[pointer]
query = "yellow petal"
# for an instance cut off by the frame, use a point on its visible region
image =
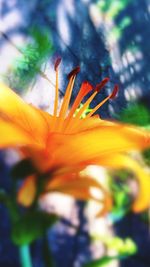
(11, 135)
(27, 192)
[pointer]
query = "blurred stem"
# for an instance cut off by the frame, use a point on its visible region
(25, 257)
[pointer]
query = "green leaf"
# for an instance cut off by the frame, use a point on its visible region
(31, 226)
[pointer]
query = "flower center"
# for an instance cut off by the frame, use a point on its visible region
(64, 120)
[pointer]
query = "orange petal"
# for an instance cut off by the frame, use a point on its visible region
(87, 145)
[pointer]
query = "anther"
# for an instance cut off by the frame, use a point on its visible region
(74, 72)
(114, 92)
(57, 62)
(100, 85)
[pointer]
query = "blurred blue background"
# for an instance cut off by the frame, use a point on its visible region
(106, 38)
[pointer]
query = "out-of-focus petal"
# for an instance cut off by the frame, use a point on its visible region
(27, 191)
(142, 201)
(75, 185)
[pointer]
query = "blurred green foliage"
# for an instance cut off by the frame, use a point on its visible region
(31, 226)
(121, 200)
(33, 56)
(136, 114)
(102, 262)
(124, 248)
(112, 9)
(146, 156)
(117, 30)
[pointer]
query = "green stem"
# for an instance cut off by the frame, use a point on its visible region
(25, 257)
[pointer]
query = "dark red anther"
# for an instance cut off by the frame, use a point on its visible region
(57, 62)
(74, 72)
(114, 92)
(100, 85)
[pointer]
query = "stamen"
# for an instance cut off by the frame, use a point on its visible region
(58, 60)
(111, 96)
(97, 107)
(67, 97)
(87, 103)
(74, 72)
(86, 87)
(68, 93)
(65, 103)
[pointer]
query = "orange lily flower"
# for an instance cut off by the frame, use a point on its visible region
(64, 143)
